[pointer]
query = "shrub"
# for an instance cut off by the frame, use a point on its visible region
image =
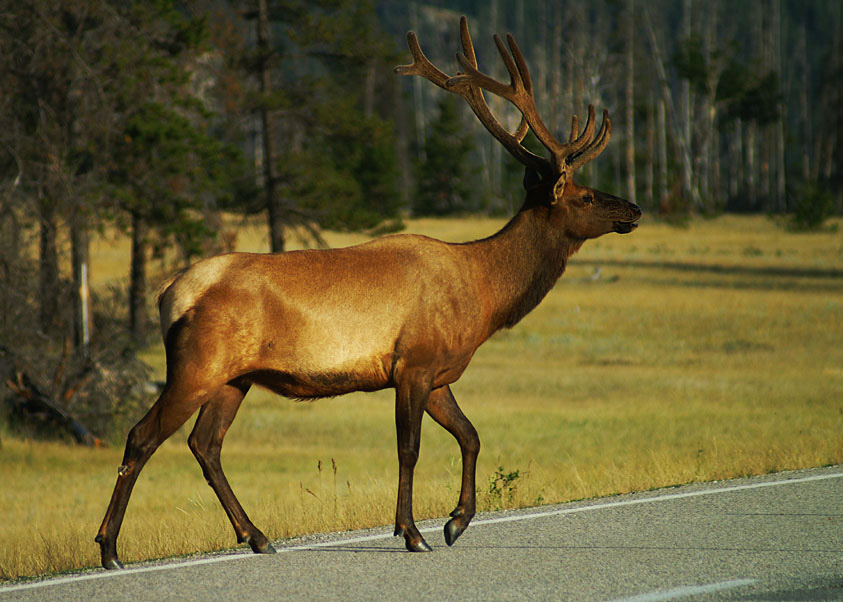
(812, 207)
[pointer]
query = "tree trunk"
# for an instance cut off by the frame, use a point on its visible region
(556, 64)
(418, 97)
(751, 189)
(736, 187)
(48, 266)
(707, 109)
(685, 108)
(779, 150)
(630, 100)
(651, 150)
(79, 257)
(274, 207)
(689, 189)
(138, 318)
(804, 115)
(662, 130)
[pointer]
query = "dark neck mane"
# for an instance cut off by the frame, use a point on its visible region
(524, 260)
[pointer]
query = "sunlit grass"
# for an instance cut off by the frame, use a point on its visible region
(659, 370)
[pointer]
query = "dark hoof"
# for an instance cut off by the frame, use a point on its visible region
(108, 556)
(419, 546)
(112, 564)
(258, 548)
(453, 530)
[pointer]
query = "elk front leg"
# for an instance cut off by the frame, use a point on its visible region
(411, 394)
(205, 442)
(443, 408)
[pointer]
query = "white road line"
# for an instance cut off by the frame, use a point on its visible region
(648, 500)
(240, 555)
(688, 590)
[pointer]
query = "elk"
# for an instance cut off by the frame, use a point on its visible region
(402, 311)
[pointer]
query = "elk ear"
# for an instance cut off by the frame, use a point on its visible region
(559, 188)
(532, 178)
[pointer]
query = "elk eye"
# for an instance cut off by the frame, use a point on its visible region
(587, 199)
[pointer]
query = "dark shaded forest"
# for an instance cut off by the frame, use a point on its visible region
(158, 118)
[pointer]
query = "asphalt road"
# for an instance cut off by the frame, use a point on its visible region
(774, 538)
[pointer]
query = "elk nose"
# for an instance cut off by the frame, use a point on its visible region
(636, 211)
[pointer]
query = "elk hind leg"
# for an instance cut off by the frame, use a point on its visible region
(443, 408)
(172, 410)
(205, 441)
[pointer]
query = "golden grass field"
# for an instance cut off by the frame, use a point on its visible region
(696, 353)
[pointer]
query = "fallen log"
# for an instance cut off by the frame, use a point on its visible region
(33, 403)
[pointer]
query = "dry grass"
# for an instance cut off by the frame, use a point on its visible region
(699, 353)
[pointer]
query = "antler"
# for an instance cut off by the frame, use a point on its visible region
(565, 157)
(474, 97)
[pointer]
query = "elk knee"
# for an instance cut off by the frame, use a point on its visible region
(139, 444)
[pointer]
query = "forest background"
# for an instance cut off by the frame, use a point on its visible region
(156, 119)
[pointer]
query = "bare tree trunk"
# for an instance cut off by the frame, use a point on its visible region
(716, 187)
(418, 96)
(708, 140)
(495, 164)
(630, 100)
(617, 158)
(402, 141)
(751, 190)
(270, 172)
(758, 147)
(804, 116)
(651, 149)
(737, 179)
(80, 265)
(555, 65)
(662, 130)
(48, 265)
(138, 317)
(684, 149)
(685, 108)
(780, 182)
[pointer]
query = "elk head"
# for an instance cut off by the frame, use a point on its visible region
(581, 211)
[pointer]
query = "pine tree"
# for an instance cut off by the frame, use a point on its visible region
(443, 179)
(332, 161)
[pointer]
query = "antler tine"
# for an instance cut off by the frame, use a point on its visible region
(577, 143)
(477, 95)
(474, 96)
(596, 146)
(528, 83)
(467, 44)
(518, 92)
(421, 65)
(573, 135)
(523, 71)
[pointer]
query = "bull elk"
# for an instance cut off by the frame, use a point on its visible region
(403, 311)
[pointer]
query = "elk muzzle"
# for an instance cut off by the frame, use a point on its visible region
(624, 214)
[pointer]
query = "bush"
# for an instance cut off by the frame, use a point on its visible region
(812, 207)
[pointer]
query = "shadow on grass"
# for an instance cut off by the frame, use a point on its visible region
(757, 277)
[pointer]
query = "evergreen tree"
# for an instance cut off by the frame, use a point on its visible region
(166, 165)
(331, 161)
(444, 183)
